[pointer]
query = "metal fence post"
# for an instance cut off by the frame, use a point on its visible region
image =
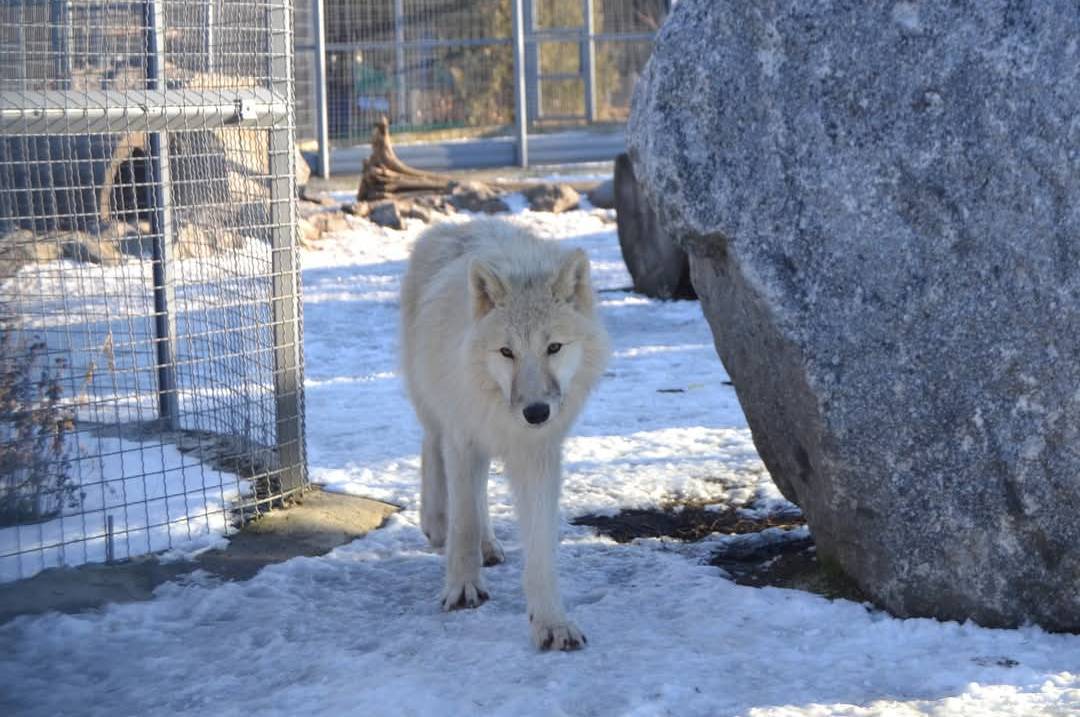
(399, 62)
(162, 227)
(521, 119)
(322, 126)
(533, 99)
(285, 285)
(211, 24)
(588, 61)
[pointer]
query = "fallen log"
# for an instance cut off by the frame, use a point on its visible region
(385, 175)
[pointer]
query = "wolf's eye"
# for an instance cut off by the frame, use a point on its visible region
(554, 348)
(506, 352)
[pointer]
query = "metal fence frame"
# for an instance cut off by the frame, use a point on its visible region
(525, 41)
(159, 109)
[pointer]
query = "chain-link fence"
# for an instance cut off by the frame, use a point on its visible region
(150, 362)
(444, 69)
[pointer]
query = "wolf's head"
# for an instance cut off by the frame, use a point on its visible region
(537, 337)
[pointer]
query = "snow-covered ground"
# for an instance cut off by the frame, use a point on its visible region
(156, 497)
(99, 319)
(359, 631)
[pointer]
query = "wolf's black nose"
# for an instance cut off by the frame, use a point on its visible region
(537, 413)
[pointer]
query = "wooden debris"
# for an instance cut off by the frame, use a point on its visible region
(385, 174)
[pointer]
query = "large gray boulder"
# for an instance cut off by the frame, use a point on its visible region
(881, 203)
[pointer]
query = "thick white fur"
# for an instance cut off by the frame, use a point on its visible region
(471, 290)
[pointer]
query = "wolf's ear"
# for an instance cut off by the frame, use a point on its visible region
(486, 288)
(572, 281)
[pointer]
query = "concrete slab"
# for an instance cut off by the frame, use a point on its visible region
(315, 524)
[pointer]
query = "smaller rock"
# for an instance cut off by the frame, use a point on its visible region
(84, 246)
(134, 239)
(359, 209)
(435, 203)
(193, 241)
(386, 214)
(22, 246)
(476, 197)
(549, 197)
(414, 210)
(329, 222)
(602, 196)
(309, 233)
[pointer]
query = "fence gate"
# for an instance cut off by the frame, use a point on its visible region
(560, 61)
(150, 347)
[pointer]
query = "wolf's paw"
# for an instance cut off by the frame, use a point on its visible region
(460, 594)
(557, 636)
(493, 552)
(434, 527)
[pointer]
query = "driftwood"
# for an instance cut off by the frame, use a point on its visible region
(385, 175)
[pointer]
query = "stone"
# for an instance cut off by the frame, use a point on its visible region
(196, 240)
(548, 197)
(657, 264)
(386, 214)
(476, 197)
(602, 196)
(880, 204)
(86, 247)
(133, 239)
(308, 232)
(19, 247)
(435, 203)
(357, 209)
(415, 210)
(329, 222)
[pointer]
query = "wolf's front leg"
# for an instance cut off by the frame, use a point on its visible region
(466, 472)
(536, 481)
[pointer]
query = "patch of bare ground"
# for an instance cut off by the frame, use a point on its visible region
(765, 549)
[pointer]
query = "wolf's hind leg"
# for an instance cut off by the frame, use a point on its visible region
(489, 545)
(433, 490)
(466, 472)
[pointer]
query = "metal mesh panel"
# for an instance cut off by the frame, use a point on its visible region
(618, 64)
(150, 373)
(446, 67)
(304, 70)
(630, 16)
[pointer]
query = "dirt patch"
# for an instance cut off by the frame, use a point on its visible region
(764, 550)
(787, 564)
(685, 522)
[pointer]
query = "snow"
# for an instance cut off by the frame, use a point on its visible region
(358, 631)
(158, 499)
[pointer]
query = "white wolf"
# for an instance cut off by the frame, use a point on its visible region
(500, 347)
